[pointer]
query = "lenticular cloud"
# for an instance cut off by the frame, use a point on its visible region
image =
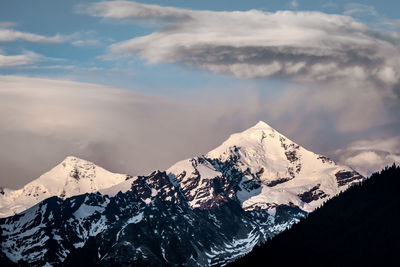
(305, 46)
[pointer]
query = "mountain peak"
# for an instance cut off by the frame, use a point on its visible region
(258, 132)
(71, 158)
(74, 161)
(74, 167)
(262, 125)
(73, 176)
(255, 138)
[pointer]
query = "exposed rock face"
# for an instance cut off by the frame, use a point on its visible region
(313, 194)
(347, 177)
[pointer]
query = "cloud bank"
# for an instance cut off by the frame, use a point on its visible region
(44, 120)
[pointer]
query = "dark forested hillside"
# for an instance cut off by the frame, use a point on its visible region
(360, 227)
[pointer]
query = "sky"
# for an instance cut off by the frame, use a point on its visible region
(138, 86)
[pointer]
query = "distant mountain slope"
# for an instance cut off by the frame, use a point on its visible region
(360, 227)
(73, 176)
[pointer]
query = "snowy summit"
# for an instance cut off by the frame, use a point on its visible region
(275, 171)
(73, 176)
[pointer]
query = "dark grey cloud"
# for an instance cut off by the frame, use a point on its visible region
(293, 62)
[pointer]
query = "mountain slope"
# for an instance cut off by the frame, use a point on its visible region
(357, 228)
(203, 211)
(138, 224)
(73, 176)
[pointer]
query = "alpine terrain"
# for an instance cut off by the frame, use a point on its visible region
(204, 211)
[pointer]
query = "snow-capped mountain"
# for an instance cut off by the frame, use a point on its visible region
(272, 170)
(202, 211)
(73, 176)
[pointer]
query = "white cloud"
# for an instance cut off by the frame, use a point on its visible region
(9, 35)
(368, 156)
(81, 38)
(27, 58)
(356, 9)
(131, 11)
(391, 145)
(85, 38)
(89, 42)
